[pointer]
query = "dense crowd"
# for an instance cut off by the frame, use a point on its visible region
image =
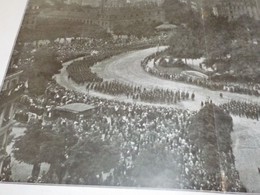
(242, 109)
(136, 127)
(250, 89)
(156, 95)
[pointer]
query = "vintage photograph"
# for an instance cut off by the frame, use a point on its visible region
(157, 94)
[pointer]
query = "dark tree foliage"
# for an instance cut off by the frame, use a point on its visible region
(218, 35)
(176, 11)
(41, 71)
(90, 157)
(39, 144)
(156, 167)
(185, 44)
(26, 148)
(209, 135)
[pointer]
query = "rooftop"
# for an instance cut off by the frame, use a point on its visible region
(76, 107)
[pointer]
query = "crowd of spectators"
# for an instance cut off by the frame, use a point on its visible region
(250, 89)
(136, 127)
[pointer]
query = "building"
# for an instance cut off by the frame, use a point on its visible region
(113, 16)
(30, 17)
(235, 9)
(11, 91)
(105, 13)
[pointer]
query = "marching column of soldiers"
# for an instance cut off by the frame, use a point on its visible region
(242, 109)
(139, 93)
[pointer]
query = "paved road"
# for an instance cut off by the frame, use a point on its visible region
(246, 148)
(126, 68)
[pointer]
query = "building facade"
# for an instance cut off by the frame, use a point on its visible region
(112, 16)
(11, 91)
(235, 9)
(30, 17)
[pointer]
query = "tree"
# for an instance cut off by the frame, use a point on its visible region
(156, 167)
(218, 35)
(176, 11)
(90, 157)
(120, 30)
(183, 44)
(27, 147)
(40, 144)
(41, 71)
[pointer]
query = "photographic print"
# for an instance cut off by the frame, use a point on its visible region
(134, 93)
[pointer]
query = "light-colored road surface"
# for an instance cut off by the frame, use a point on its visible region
(126, 68)
(246, 148)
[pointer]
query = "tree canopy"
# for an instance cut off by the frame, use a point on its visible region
(156, 167)
(45, 65)
(92, 156)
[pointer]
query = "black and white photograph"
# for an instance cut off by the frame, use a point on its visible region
(138, 94)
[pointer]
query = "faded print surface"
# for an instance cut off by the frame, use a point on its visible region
(137, 93)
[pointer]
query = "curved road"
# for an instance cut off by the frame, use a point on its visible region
(126, 68)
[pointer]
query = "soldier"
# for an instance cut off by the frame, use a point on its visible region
(192, 96)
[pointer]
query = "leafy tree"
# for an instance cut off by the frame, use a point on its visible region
(90, 157)
(44, 67)
(183, 44)
(120, 30)
(246, 28)
(156, 167)
(176, 12)
(27, 147)
(218, 35)
(40, 144)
